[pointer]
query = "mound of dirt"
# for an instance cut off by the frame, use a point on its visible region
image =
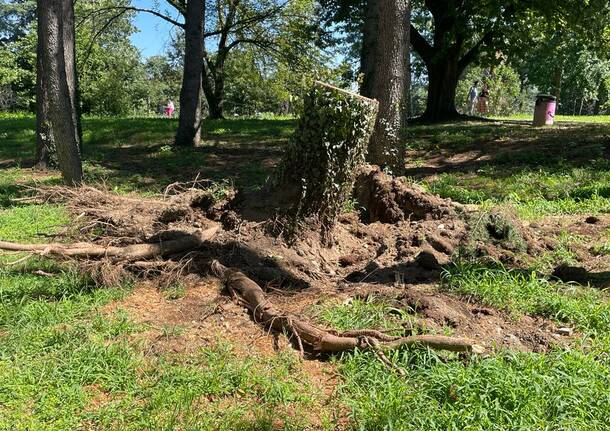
(389, 199)
(402, 236)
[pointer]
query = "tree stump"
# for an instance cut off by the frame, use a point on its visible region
(329, 143)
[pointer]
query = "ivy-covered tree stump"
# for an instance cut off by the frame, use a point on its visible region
(330, 141)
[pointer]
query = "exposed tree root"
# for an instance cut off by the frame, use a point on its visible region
(134, 252)
(323, 340)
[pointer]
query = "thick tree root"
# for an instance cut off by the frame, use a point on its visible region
(134, 252)
(323, 340)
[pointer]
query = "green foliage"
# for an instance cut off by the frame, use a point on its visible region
(330, 141)
(113, 78)
(575, 72)
(505, 94)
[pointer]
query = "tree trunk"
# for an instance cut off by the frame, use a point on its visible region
(189, 123)
(58, 109)
(369, 45)
(443, 76)
(316, 174)
(46, 156)
(213, 87)
(407, 101)
(386, 146)
(557, 80)
(215, 110)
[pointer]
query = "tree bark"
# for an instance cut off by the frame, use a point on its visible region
(443, 77)
(58, 109)
(213, 87)
(189, 123)
(369, 46)
(46, 156)
(386, 147)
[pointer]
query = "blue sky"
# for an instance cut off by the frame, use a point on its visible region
(155, 33)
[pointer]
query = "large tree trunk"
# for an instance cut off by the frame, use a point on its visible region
(213, 89)
(443, 76)
(189, 124)
(58, 102)
(369, 45)
(386, 146)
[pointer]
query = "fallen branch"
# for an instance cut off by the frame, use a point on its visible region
(322, 340)
(128, 253)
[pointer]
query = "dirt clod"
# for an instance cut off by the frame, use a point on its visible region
(592, 220)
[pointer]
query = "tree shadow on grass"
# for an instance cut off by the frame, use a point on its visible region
(509, 147)
(137, 153)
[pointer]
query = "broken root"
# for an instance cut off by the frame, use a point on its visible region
(321, 340)
(130, 253)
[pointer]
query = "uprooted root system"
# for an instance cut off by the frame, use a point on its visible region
(397, 236)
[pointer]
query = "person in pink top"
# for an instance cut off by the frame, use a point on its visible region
(169, 109)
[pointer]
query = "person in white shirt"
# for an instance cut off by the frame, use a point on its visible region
(473, 95)
(169, 109)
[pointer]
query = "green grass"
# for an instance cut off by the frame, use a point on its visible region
(604, 119)
(540, 172)
(361, 314)
(562, 389)
(135, 154)
(522, 292)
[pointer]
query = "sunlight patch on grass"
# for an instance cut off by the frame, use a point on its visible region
(527, 292)
(370, 313)
(24, 223)
(559, 390)
(534, 194)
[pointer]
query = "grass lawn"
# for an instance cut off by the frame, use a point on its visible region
(73, 357)
(540, 172)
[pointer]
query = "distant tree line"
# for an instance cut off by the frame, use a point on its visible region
(256, 56)
(267, 55)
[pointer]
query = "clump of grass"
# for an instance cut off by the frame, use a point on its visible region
(26, 222)
(369, 313)
(175, 290)
(559, 390)
(527, 292)
(496, 226)
(561, 254)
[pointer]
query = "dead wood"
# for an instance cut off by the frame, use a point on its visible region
(134, 252)
(322, 340)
